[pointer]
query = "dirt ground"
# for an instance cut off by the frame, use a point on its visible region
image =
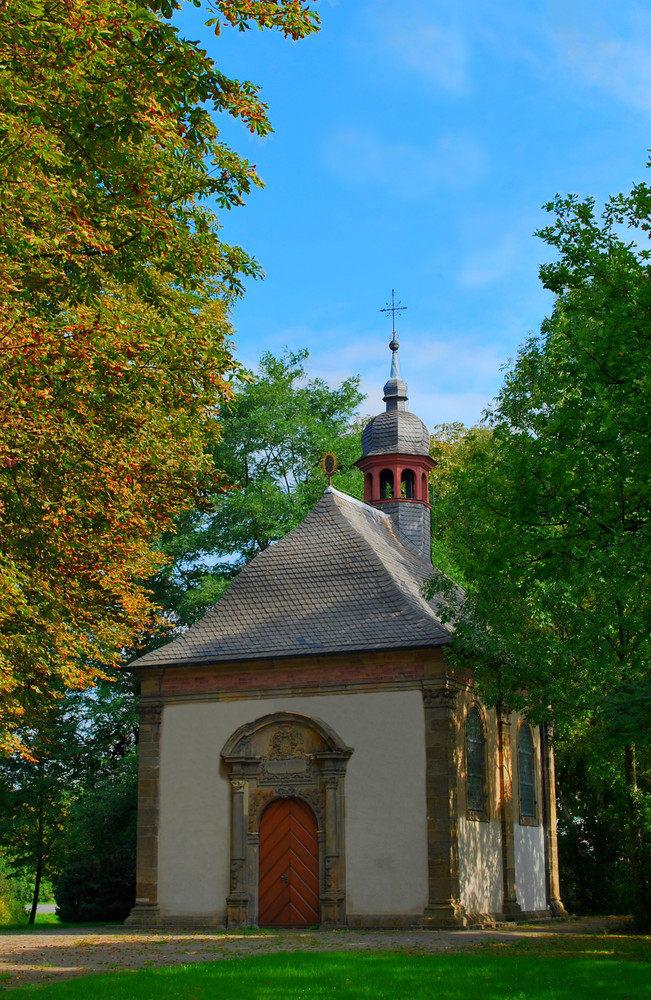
(56, 954)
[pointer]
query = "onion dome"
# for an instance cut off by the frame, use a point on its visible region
(396, 431)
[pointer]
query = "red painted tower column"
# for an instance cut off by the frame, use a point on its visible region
(396, 477)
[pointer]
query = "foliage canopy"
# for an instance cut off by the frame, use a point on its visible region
(77, 764)
(548, 516)
(280, 424)
(114, 283)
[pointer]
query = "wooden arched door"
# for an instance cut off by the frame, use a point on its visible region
(288, 865)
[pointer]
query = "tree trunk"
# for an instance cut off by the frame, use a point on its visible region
(637, 875)
(37, 889)
(39, 862)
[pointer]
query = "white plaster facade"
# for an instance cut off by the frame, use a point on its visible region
(480, 865)
(530, 867)
(385, 820)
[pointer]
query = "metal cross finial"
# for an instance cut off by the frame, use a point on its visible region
(393, 309)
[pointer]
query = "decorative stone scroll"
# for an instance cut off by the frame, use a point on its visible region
(286, 755)
(287, 742)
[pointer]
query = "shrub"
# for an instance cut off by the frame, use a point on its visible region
(12, 907)
(98, 880)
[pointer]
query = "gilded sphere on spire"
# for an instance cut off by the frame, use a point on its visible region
(394, 345)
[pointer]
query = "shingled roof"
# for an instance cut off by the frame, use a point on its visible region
(342, 581)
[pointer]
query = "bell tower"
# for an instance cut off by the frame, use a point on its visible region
(396, 463)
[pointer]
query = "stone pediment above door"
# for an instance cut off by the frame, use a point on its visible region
(284, 752)
(283, 736)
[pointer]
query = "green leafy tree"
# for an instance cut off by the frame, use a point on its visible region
(280, 424)
(36, 793)
(114, 288)
(98, 877)
(449, 444)
(593, 837)
(549, 519)
(83, 742)
(592, 826)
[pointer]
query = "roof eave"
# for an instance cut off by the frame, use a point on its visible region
(206, 661)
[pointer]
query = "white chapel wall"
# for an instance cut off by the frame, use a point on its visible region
(529, 840)
(386, 832)
(480, 865)
(529, 844)
(194, 815)
(481, 882)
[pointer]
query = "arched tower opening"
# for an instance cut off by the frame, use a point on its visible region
(386, 484)
(407, 484)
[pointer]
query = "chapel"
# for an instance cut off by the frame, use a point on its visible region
(308, 755)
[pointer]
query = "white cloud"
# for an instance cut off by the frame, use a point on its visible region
(453, 161)
(437, 51)
(606, 46)
(497, 246)
(432, 368)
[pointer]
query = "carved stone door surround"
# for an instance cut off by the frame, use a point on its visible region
(286, 755)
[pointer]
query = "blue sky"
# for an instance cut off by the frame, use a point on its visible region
(414, 145)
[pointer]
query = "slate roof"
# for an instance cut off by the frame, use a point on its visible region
(341, 581)
(395, 432)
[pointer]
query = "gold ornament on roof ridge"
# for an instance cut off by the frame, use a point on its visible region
(329, 465)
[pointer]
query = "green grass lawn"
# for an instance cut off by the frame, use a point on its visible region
(595, 968)
(50, 921)
(42, 920)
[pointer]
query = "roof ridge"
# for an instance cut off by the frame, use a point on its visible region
(420, 605)
(356, 501)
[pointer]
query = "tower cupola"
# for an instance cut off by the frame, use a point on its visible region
(396, 463)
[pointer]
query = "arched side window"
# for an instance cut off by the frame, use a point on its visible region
(525, 773)
(386, 484)
(407, 484)
(475, 762)
(369, 486)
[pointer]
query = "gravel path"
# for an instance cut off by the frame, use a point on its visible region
(55, 954)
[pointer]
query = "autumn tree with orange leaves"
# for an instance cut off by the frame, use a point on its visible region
(114, 289)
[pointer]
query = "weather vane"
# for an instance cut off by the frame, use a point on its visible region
(393, 309)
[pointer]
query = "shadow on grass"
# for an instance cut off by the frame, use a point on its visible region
(626, 946)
